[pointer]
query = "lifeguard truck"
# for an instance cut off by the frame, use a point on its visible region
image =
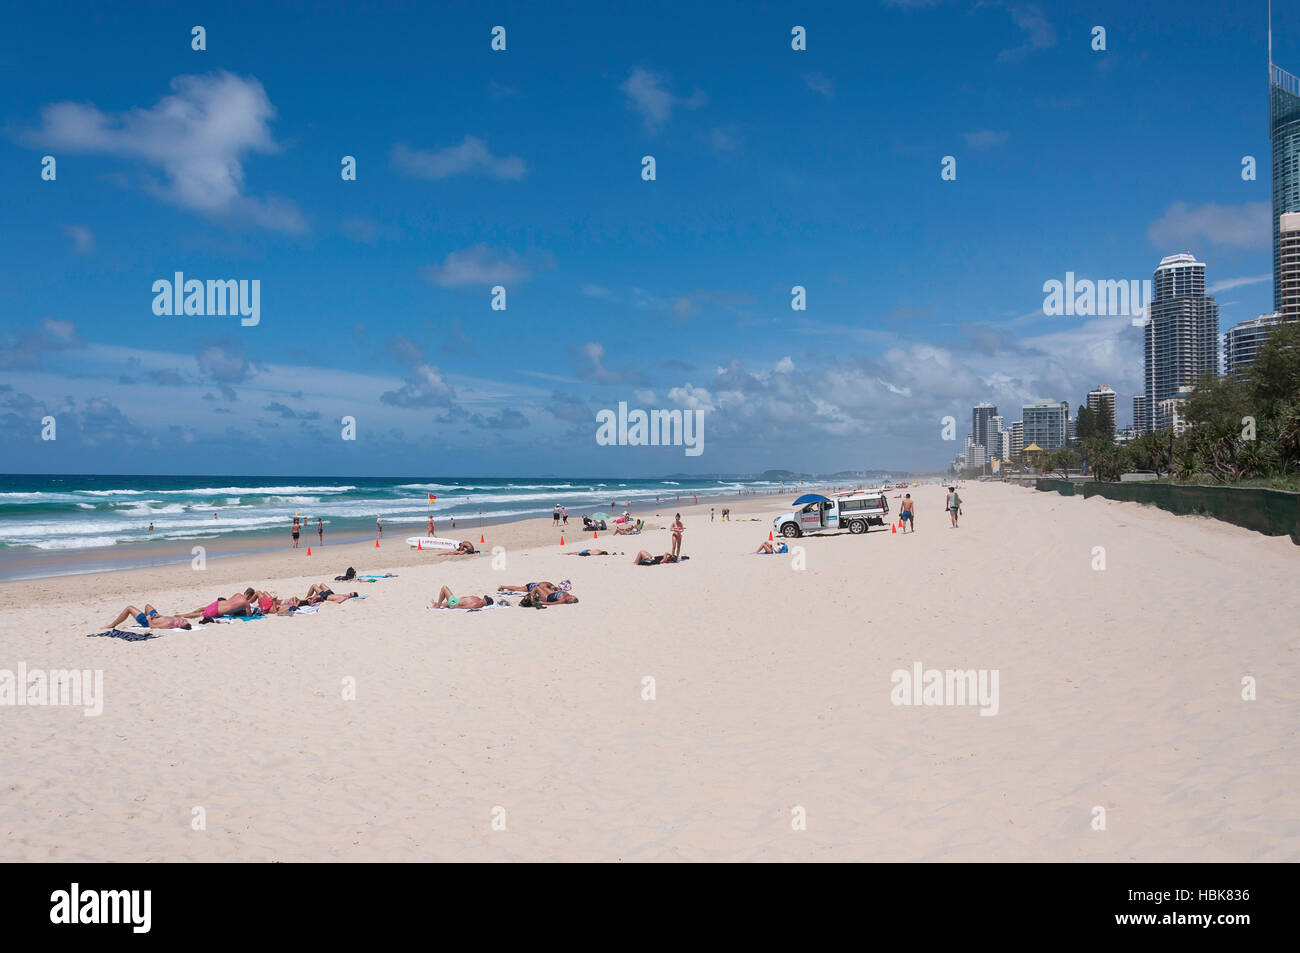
(857, 512)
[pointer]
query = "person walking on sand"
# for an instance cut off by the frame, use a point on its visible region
(677, 529)
(710, 514)
(297, 527)
(320, 531)
(952, 504)
(564, 515)
(907, 513)
(379, 525)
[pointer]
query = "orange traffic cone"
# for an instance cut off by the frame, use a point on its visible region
(480, 538)
(561, 539)
(893, 527)
(308, 550)
(419, 544)
(769, 536)
(376, 544)
(595, 535)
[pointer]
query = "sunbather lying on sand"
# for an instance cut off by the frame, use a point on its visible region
(530, 586)
(447, 601)
(238, 604)
(594, 552)
(466, 548)
(542, 596)
(320, 592)
(643, 558)
(150, 618)
(767, 547)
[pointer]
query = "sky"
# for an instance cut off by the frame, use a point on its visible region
(523, 168)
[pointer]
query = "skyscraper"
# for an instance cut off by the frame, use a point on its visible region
(1286, 291)
(1284, 131)
(1017, 438)
(981, 414)
(1243, 340)
(1045, 423)
(1101, 404)
(1141, 413)
(1182, 328)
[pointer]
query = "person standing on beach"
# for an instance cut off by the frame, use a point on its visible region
(297, 526)
(677, 528)
(564, 514)
(555, 515)
(320, 530)
(431, 527)
(952, 504)
(907, 513)
(710, 514)
(379, 525)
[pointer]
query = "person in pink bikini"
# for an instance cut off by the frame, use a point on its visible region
(677, 529)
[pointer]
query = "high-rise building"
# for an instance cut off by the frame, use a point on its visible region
(1169, 412)
(1101, 404)
(1287, 292)
(1284, 131)
(1243, 340)
(1141, 414)
(1045, 423)
(1017, 438)
(1182, 328)
(980, 416)
(994, 444)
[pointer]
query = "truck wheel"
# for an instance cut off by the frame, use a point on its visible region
(857, 527)
(791, 531)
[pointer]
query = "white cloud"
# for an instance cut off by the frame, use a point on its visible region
(820, 84)
(1238, 226)
(985, 138)
(647, 93)
(471, 157)
(83, 239)
(198, 138)
(482, 265)
(1229, 283)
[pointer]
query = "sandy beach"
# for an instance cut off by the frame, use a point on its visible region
(1118, 688)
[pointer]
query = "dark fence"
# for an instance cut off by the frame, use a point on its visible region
(1271, 512)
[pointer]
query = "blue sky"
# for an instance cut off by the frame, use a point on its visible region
(522, 168)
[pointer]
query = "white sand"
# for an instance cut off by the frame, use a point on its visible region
(1118, 688)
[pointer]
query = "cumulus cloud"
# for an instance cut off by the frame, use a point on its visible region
(197, 138)
(424, 385)
(482, 265)
(589, 364)
(471, 157)
(28, 349)
(1183, 226)
(1039, 34)
(648, 94)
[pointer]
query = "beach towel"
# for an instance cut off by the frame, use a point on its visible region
(306, 610)
(120, 634)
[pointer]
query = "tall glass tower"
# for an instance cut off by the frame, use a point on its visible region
(1284, 131)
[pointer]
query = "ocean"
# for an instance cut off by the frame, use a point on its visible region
(104, 517)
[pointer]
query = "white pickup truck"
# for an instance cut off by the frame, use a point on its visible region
(857, 512)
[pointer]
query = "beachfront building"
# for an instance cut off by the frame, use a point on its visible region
(1182, 329)
(1243, 340)
(1127, 435)
(1017, 440)
(976, 456)
(981, 415)
(1141, 414)
(1101, 404)
(1288, 291)
(1046, 423)
(1169, 413)
(1284, 131)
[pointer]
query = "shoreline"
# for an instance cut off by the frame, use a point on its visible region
(89, 565)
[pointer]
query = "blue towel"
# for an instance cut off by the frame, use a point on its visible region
(119, 634)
